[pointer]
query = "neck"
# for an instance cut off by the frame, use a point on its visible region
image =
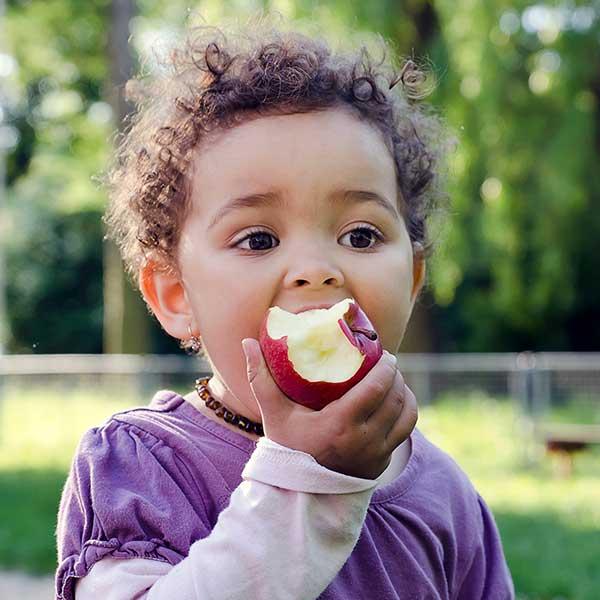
(219, 391)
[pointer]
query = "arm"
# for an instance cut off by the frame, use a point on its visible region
(288, 530)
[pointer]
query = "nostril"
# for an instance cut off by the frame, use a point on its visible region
(329, 281)
(304, 282)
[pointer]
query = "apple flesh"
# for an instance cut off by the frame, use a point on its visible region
(317, 355)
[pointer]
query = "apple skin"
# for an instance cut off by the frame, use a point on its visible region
(318, 394)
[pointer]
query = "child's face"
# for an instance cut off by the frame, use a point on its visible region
(301, 250)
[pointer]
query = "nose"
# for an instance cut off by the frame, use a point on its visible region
(313, 270)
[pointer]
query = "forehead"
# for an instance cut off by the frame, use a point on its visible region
(301, 152)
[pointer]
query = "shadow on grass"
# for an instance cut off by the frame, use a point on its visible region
(549, 559)
(29, 501)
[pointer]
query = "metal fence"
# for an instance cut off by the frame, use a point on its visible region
(539, 382)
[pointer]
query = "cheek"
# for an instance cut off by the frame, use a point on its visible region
(386, 296)
(391, 280)
(230, 310)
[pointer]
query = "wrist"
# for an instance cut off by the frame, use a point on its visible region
(278, 465)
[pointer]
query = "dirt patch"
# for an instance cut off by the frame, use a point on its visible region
(23, 586)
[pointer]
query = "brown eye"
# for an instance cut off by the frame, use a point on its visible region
(361, 237)
(258, 240)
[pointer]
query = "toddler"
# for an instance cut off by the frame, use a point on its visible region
(262, 169)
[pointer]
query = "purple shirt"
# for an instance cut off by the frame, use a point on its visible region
(151, 481)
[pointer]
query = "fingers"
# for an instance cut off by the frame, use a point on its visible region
(405, 424)
(388, 412)
(269, 397)
(368, 394)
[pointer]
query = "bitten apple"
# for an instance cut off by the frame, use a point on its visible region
(317, 355)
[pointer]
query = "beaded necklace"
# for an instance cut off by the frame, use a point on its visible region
(224, 413)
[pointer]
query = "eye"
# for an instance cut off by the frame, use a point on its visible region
(258, 240)
(361, 236)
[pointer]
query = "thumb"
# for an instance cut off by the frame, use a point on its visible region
(266, 393)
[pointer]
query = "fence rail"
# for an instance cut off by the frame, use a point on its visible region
(24, 364)
(537, 380)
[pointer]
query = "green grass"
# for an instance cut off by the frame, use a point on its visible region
(577, 410)
(550, 526)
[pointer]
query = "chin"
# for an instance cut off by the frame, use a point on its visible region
(317, 355)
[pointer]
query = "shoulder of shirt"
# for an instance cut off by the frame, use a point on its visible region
(442, 477)
(149, 419)
(435, 461)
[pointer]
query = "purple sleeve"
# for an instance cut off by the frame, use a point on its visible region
(125, 496)
(488, 576)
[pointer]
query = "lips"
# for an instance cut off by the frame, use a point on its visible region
(323, 305)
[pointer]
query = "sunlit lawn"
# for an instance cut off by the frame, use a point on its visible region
(550, 526)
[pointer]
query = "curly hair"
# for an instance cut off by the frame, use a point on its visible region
(214, 81)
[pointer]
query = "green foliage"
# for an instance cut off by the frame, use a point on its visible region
(524, 185)
(54, 289)
(54, 254)
(60, 49)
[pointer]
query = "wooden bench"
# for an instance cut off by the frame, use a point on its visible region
(564, 440)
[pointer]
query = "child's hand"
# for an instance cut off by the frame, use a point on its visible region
(355, 434)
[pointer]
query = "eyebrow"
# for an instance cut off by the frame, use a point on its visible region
(274, 199)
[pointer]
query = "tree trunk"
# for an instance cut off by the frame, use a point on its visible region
(126, 320)
(419, 335)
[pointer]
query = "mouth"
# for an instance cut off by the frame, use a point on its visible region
(313, 307)
(320, 306)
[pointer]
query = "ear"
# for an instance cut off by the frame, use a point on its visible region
(418, 270)
(166, 296)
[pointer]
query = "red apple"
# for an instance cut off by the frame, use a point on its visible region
(317, 355)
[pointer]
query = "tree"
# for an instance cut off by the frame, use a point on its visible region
(60, 124)
(64, 127)
(126, 320)
(524, 233)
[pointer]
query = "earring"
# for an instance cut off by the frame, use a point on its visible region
(418, 248)
(194, 344)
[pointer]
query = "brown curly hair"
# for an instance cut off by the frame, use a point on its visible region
(214, 81)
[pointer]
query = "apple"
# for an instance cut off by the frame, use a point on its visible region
(317, 355)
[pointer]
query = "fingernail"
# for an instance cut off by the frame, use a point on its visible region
(391, 357)
(251, 367)
(246, 343)
(245, 347)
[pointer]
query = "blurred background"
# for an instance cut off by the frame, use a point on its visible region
(503, 350)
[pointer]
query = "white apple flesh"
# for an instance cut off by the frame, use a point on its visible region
(317, 355)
